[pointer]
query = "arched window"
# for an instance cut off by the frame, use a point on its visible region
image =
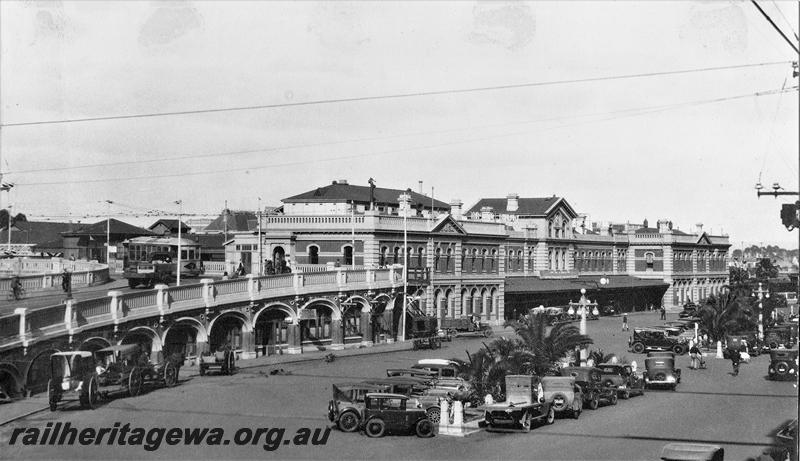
(492, 262)
(382, 256)
(420, 254)
(313, 254)
(396, 255)
(649, 260)
(564, 228)
(474, 260)
(437, 256)
(347, 255)
(449, 261)
(550, 228)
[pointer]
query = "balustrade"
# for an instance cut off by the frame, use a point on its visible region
(138, 300)
(42, 319)
(94, 307)
(9, 328)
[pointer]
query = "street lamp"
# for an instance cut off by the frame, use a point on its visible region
(180, 225)
(108, 235)
(404, 200)
(583, 302)
(761, 293)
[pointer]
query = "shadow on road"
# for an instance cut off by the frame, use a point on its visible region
(663, 439)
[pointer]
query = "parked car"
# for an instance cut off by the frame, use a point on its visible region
(346, 408)
(72, 377)
(165, 371)
(446, 372)
(623, 377)
(427, 395)
(783, 364)
(670, 355)
(120, 370)
(647, 339)
(223, 361)
(428, 375)
(594, 389)
(784, 334)
(525, 404)
(689, 311)
(564, 394)
(737, 341)
(390, 414)
(660, 372)
(682, 451)
(470, 325)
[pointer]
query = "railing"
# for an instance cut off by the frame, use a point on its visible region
(314, 219)
(93, 313)
(214, 267)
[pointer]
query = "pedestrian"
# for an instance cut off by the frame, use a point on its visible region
(625, 322)
(663, 313)
(734, 355)
(694, 353)
(225, 275)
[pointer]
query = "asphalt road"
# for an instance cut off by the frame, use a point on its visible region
(709, 406)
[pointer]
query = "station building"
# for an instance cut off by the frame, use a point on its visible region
(494, 260)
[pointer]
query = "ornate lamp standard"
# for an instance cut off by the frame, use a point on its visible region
(584, 303)
(761, 293)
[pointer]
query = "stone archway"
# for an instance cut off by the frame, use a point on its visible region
(229, 329)
(94, 344)
(186, 336)
(38, 371)
(274, 329)
(321, 326)
(148, 340)
(11, 382)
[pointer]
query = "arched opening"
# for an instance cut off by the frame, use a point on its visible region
(466, 304)
(351, 322)
(451, 304)
(182, 338)
(278, 258)
(10, 381)
(382, 256)
(94, 344)
(226, 331)
(477, 303)
(487, 303)
(441, 304)
(347, 255)
(272, 331)
(381, 319)
(315, 326)
(313, 254)
(39, 372)
(147, 339)
(495, 301)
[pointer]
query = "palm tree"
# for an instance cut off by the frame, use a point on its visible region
(598, 356)
(486, 369)
(547, 347)
(721, 316)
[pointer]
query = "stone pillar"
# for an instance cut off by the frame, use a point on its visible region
(161, 301)
(366, 328)
(252, 286)
(69, 323)
(208, 293)
(293, 340)
(458, 414)
(23, 328)
(337, 334)
(297, 282)
(444, 416)
(115, 310)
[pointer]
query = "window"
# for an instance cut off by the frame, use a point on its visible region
(437, 256)
(396, 255)
(420, 253)
(649, 258)
(382, 257)
(347, 255)
(313, 254)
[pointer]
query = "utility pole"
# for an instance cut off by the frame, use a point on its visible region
(180, 241)
(260, 255)
(108, 234)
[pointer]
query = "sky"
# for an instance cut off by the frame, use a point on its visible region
(685, 146)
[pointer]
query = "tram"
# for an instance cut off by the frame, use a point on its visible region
(151, 260)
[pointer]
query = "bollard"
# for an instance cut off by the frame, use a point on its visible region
(444, 416)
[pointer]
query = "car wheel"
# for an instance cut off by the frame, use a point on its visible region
(434, 414)
(626, 395)
(773, 345)
(170, 375)
(52, 395)
(487, 332)
(638, 348)
(93, 394)
(781, 368)
(678, 349)
(348, 422)
(551, 416)
(375, 427)
(613, 400)
(559, 401)
(525, 422)
(424, 428)
(135, 382)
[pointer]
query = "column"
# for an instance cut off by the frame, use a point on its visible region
(208, 293)
(161, 301)
(337, 334)
(115, 308)
(23, 329)
(366, 328)
(294, 345)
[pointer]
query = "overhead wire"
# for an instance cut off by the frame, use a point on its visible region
(786, 20)
(633, 112)
(392, 96)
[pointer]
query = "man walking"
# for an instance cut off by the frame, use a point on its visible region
(694, 353)
(663, 313)
(625, 322)
(735, 357)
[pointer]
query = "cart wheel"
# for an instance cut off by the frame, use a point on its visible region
(170, 375)
(424, 428)
(135, 382)
(52, 395)
(92, 393)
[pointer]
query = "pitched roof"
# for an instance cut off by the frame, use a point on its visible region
(171, 224)
(343, 193)
(38, 232)
(526, 206)
(101, 228)
(646, 230)
(237, 221)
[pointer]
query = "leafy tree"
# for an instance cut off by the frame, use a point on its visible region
(738, 276)
(723, 315)
(487, 368)
(766, 269)
(14, 219)
(547, 347)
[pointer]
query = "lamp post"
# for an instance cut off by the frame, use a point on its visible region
(108, 234)
(761, 293)
(583, 302)
(180, 225)
(260, 251)
(404, 201)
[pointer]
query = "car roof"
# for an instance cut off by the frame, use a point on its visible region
(84, 354)
(657, 362)
(396, 380)
(444, 362)
(383, 395)
(415, 371)
(689, 451)
(120, 348)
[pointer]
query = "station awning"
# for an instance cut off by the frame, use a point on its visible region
(520, 285)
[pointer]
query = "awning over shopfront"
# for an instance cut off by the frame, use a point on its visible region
(516, 285)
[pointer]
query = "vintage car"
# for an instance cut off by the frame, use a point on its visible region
(660, 372)
(346, 408)
(564, 394)
(391, 414)
(164, 372)
(463, 326)
(72, 377)
(623, 377)
(427, 375)
(740, 342)
(683, 451)
(781, 335)
(670, 355)
(427, 396)
(222, 361)
(120, 369)
(782, 364)
(525, 404)
(446, 372)
(656, 338)
(592, 385)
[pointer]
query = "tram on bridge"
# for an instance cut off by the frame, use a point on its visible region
(151, 260)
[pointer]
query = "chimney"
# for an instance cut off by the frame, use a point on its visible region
(455, 208)
(487, 213)
(420, 187)
(699, 228)
(663, 226)
(342, 182)
(513, 202)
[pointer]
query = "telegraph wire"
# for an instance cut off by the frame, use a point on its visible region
(786, 20)
(340, 142)
(643, 111)
(392, 96)
(775, 26)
